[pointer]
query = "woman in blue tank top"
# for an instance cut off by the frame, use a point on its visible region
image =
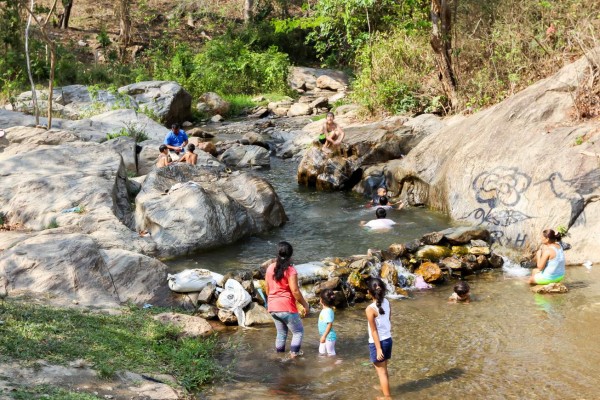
(550, 260)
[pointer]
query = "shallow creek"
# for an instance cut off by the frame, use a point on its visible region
(508, 343)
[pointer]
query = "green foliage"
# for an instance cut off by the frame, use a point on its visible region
(562, 230)
(390, 75)
(131, 129)
(578, 140)
(28, 392)
(130, 341)
(338, 28)
(239, 103)
(149, 112)
(53, 224)
(224, 66)
(103, 38)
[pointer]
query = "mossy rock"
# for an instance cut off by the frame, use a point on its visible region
(460, 250)
(432, 253)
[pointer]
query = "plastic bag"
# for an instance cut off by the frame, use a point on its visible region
(234, 298)
(191, 280)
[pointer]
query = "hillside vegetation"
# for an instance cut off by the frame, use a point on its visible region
(492, 48)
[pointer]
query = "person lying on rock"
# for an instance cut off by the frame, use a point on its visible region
(461, 293)
(381, 222)
(163, 158)
(176, 140)
(332, 135)
(550, 260)
(190, 157)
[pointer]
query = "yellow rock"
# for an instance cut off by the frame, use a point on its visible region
(460, 250)
(433, 253)
(479, 251)
(389, 273)
(430, 272)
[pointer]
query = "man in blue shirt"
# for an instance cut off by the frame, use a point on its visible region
(176, 139)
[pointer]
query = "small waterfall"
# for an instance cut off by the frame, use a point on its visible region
(511, 268)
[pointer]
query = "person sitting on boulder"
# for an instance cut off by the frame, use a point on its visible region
(461, 293)
(332, 135)
(381, 222)
(163, 158)
(190, 157)
(176, 140)
(550, 260)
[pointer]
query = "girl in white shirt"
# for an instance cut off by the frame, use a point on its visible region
(380, 335)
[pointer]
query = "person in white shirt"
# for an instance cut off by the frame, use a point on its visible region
(381, 222)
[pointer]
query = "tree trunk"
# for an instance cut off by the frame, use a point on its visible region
(51, 83)
(248, 11)
(441, 42)
(124, 15)
(36, 110)
(64, 21)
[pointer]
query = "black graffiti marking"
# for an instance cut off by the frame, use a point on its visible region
(500, 186)
(503, 218)
(578, 191)
(503, 240)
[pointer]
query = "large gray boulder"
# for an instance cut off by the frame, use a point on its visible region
(166, 99)
(187, 208)
(66, 268)
(305, 79)
(517, 168)
(364, 145)
(213, 104)
(88, 176)
(90, 129)
(21, 139)
(75, 101)
(246, 156)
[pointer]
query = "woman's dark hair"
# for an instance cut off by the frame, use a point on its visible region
(380, 212)
(162, 148)
(551, 235)
(461, 288)
(377, 289)
(328, 297)
(383, 201)
(191, 147)
(284, 255)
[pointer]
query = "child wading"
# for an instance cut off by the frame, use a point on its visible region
(380, 332)
(326, 317)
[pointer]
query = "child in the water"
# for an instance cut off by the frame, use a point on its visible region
(325, 325)
(461, 293)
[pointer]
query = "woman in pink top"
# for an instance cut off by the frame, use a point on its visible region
(283, 292)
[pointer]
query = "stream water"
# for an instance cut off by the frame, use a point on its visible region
(320, 225)
(507, 344)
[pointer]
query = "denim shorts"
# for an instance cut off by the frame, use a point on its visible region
(386, 347)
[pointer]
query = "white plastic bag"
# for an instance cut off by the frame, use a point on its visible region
(234, 298)
(191, 280)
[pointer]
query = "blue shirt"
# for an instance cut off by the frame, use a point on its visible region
(176, 140)
(326, 317)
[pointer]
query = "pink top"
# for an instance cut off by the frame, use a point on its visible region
(280, 294)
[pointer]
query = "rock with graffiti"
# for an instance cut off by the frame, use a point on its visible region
(516, 168)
